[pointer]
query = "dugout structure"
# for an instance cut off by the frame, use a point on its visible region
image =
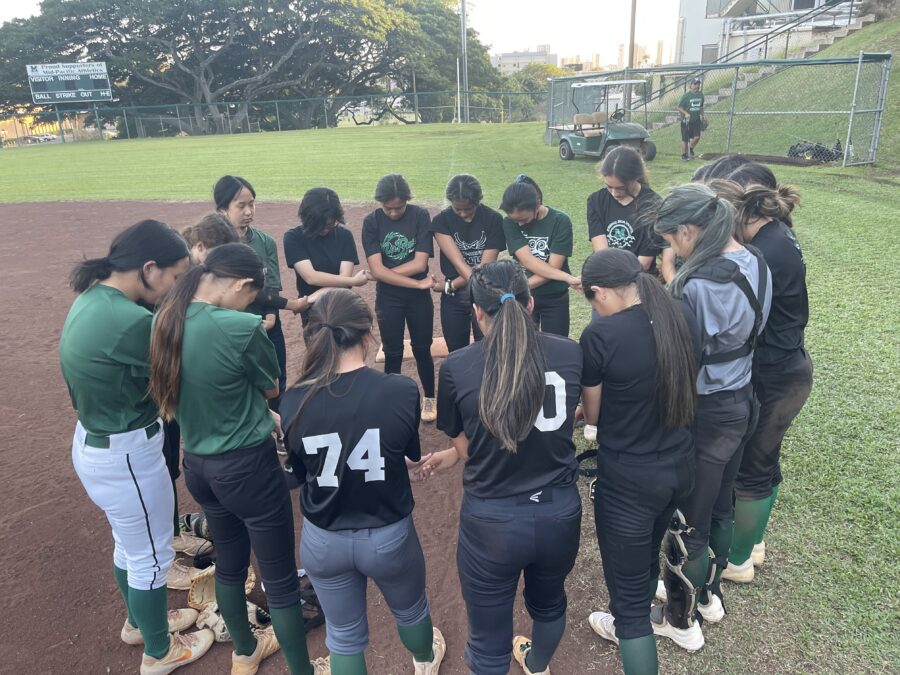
(763, 107)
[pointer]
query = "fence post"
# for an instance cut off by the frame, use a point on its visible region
(178, 115)
(882, 93)
(62, 132)
(850, 14)
(16, 129)
(852, 109)
(125, 117)
(787, 41)
(277, 116)
(766, 51)
(325, 110)
(97, 122)
(734, 93)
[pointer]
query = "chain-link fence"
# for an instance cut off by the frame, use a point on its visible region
(187, 119)
(816, 109)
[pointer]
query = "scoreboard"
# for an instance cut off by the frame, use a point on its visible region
(69, 82)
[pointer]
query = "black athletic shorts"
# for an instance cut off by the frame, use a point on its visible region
(690, 130)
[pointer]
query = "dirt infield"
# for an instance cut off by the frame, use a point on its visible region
(63, 612)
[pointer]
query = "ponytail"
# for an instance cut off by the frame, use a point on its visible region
(696, 204)
(756, 201)
(676, 363)
(512, 388)
(86, 272)
(338, 321)
(145, 241)
(229, 261)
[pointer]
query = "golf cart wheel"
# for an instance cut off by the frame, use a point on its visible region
(648, 150)
(565, 151)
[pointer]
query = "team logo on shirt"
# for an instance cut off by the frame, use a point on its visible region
(471, 250)
(397, 246)
(620, 234)
(540, 247)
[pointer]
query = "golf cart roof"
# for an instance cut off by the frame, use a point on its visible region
(606, 83)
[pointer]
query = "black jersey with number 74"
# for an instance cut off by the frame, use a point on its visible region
(347, 447)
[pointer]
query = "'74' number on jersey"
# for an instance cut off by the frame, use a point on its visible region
(366, 456)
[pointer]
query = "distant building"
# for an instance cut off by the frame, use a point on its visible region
(512, 62)
(640, 54)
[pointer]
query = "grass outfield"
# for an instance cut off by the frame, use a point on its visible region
(827, 599)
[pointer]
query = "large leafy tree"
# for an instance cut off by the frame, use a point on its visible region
(206, 53)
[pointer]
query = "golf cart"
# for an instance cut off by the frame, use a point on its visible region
(599, 123)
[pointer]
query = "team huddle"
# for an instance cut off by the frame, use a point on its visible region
(686, 388)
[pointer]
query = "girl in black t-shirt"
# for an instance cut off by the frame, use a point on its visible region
(616, 215)
(397, 241)
(521, 512)
(782, 370)
(351, 452)
(468, 234)
(321, 251)
(642, 350)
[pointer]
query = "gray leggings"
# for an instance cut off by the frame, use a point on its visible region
(339, 564)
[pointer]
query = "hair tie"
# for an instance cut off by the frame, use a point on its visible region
(329, 326)
(507, 296)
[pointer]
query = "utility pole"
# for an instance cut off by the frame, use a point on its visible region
(465, 59)
(630, 64)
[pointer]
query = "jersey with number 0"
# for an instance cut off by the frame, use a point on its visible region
(348, 447)
(547, 455)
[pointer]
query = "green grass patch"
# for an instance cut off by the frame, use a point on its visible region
(827, 599)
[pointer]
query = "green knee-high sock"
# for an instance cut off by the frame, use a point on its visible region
(761, 534)
(232, 602)
(697, 570)
(342, 664)
(418, 639)
(639, 656)
(720, 537)
(750, 518)
(149, 609)
(122, 582)
(291, 633)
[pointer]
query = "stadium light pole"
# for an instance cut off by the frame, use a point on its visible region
(465, 58)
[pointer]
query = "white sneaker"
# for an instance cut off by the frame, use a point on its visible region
(429, 409)
(178, 620)
(758, 556)
(739, 574)
(604, 625)
(713, 611)
(183, 649)
(690, 639)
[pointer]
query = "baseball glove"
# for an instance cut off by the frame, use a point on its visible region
(203, 587)
(211, 618)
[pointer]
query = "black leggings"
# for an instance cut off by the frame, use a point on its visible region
(781, 389)
(722, 425)
(633, 505)
(501, 540)
(551, 314)
(247, 504)
(394, 307)
(458, 320)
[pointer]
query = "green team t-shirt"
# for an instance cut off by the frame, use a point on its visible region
(267, 249)
(551, 234)
(226, 363)
(692, 103)
(104, 353)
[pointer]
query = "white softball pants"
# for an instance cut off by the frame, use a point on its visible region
(129, 481)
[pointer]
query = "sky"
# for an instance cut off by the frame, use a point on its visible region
(570, 27)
